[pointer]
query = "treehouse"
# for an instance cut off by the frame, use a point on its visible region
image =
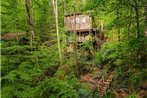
(78, 22)
(81, 25)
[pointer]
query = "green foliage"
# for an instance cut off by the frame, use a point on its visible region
(109, 52)
(137, 77)
(132, 95)
(54, 88)
(99, 58)
(24, 68)
(109, 94)
(83, 93)
(13, 16)
(121, 57)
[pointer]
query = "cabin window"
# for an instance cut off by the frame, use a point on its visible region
(84, 20)
(72, 21)
(77, 20)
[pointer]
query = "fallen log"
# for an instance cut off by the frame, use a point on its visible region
(12, 36)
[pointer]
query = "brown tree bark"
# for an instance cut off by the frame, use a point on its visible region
(136, 7)
(77, 66)
(145, 12)
(28, 5)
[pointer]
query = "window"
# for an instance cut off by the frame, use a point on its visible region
(77, 20)
(84, 20)
(72, 21)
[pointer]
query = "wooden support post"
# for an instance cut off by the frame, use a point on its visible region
(95, 35)
(92, 49)
(79, 39)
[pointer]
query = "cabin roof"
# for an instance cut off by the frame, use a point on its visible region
(72, 14)
(83, 30)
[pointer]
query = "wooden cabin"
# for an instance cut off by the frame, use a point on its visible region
(82, 25)
(78, 22)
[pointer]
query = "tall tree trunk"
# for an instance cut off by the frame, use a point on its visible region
(138, 33)
(63, 39)
(102, 25)
(118, 34)
(64, 6)
(76, 52)
(144, 56)
(137, 18)
(55, 6)
(118, 26)
(130, 23)
(28, 5)
(145, 12)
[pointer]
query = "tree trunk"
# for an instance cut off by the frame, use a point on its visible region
(138, 33)
(137, 19)
(130, 23)
(102, 25)
(118, 34)
(145, 12)
(64, 6)
(28, 5)
(118, 26)
(63, 38)
(76, 52)
(55, 6)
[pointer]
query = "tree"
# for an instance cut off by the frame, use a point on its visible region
(13, 16)
(29, 10)
(145, 12)
(55, 6)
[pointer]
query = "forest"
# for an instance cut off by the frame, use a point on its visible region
(73, 48)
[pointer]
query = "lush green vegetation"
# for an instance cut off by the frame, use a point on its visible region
(32, 69)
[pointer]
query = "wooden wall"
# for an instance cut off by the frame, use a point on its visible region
(82, 22)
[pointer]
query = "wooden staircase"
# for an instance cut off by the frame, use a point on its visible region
(104, 85)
